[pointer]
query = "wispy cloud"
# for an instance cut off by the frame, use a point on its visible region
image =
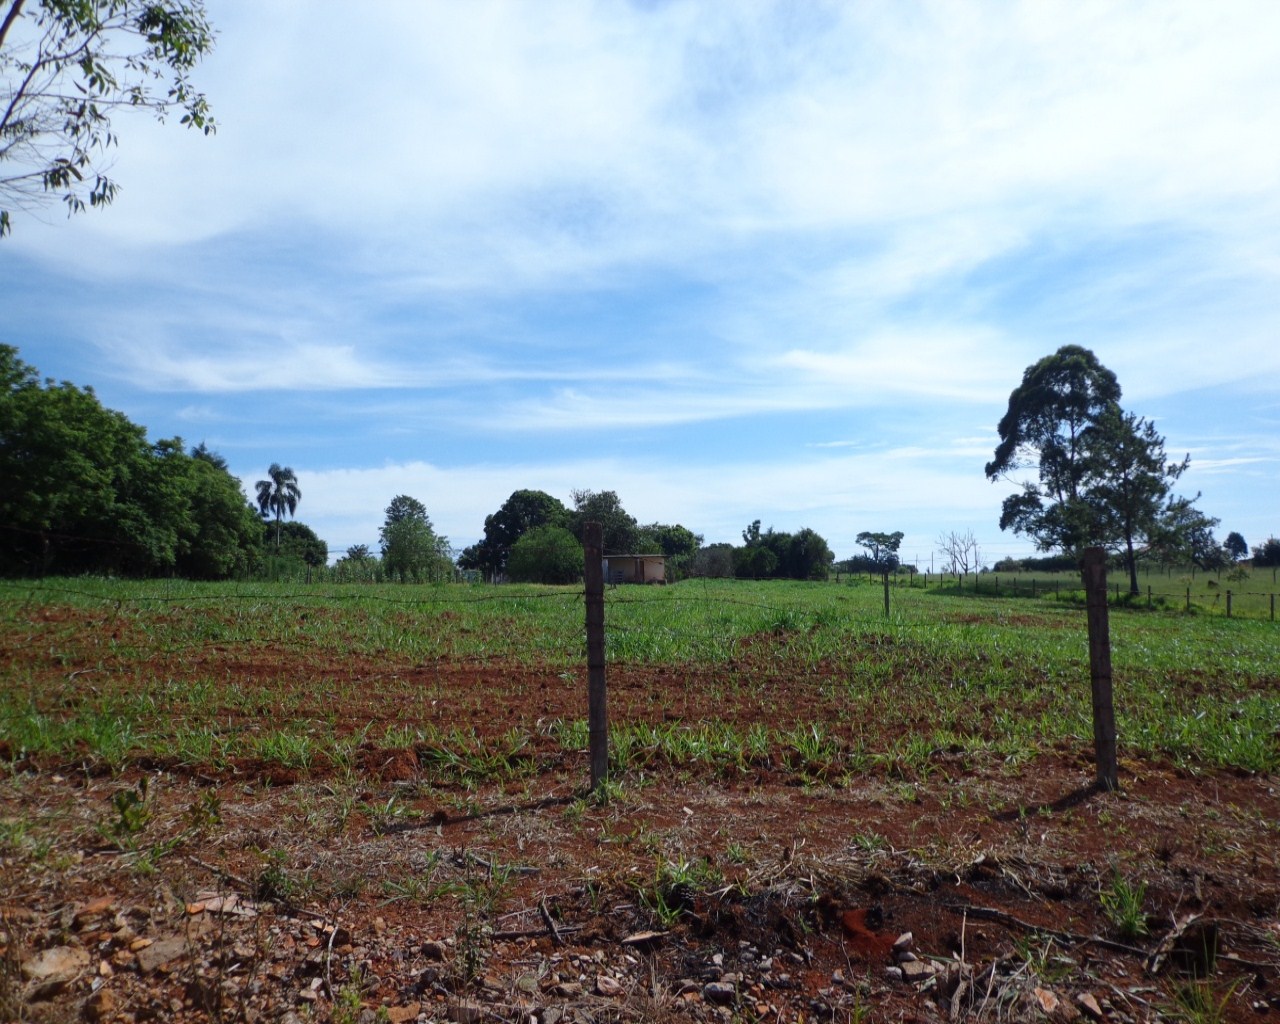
(750, 249)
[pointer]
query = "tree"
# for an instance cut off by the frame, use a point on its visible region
(619, 530)
(714, 560)
(1267, 555)
(67, 66)
(520, 513)
(809, 557)
(1103, 478)
(79, 482)
(1235, 546)
(1127, 483)
(546, 554)
(1185, 534)
(1046, 425)
(883, 549)
(299, 541)
(678, 543)
(960, 552)
(83, 490)
(278, 494)
(224, 534)
(411, 549)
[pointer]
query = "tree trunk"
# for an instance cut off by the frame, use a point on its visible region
(1133, 567)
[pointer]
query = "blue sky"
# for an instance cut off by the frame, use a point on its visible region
(733, 261)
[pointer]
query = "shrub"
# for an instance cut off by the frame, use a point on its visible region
(546, 554)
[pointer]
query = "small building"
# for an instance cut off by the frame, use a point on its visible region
(635, 569)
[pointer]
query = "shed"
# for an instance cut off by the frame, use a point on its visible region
(635, 568)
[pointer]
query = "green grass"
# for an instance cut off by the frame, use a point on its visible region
(109, 671)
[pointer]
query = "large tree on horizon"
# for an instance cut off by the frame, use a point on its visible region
(1103, 478)
(278, 494)
(1045, 426)
(523, 511)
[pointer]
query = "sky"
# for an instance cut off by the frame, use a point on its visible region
(733, 261)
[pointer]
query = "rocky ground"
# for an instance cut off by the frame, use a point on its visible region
(982, 891)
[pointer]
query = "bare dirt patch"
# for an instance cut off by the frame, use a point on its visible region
(386, 884)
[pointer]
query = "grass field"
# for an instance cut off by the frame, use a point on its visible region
(795, 778)
(125, 670)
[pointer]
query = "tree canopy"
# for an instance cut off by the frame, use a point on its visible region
(521, 512)
(66, 66)
(546, 554)
(278, 494)
(1236, 546)
(620, 533)
(1102, 473)
(772, 554)
(882, 548)
(411, 549)
(84, 491)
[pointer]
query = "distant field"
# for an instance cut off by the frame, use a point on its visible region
(368, 802)
(808, 675)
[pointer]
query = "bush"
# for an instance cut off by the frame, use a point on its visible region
(1267, 555)
(546, 554)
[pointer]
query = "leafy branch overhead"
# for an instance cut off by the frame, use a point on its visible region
(66, 66)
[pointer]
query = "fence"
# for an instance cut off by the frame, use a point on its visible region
(809, 679)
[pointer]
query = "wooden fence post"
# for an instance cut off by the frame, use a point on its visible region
(886, 595)
(1104, 715)
(597, 708)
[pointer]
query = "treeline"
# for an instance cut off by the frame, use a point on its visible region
(84, 491)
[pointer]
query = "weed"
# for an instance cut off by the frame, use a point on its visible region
(133, 814)
(1197, 1003)
(1122, 902)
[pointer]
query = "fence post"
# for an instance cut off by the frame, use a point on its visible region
(1148, 595)
(1104, 715)
(1228, 604)
(886, 595)
(597, 714)
(1188, 599)
(1273, 607)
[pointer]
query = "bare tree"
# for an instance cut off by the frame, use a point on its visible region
(960, 553)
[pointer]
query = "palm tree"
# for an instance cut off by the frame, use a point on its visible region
(278, 494)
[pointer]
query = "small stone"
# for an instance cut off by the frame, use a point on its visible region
(92, 909)
(403, 1014)
(644, 940)
(53, 969)
(552, 1015)
(567, 989)
(100, 1005)
(917, 970)
(464, 1011)
(434, 949)
(1047, 1000)
(893, 973)
(1090, 1005)
(155, 955)
(719, 992)
(904, 942)
(905, 956)
(528, 984)
(718, 959)
(608, 987)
